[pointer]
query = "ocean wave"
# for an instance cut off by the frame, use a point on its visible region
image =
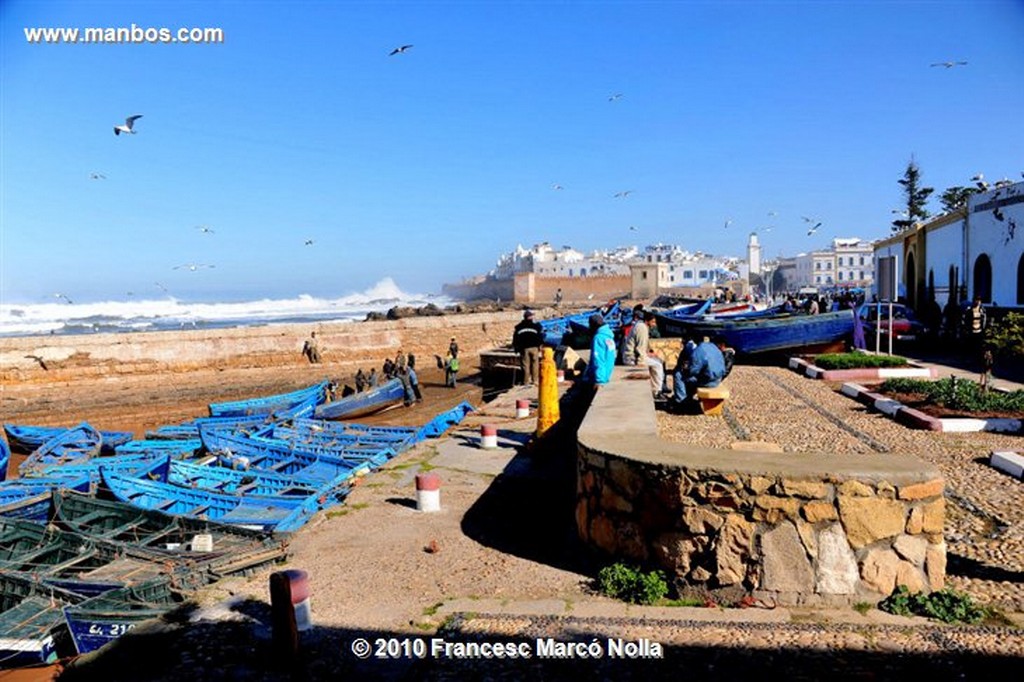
(172, 313)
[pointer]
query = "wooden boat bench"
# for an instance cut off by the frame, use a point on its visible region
(712, 400)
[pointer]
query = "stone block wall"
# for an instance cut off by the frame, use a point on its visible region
(798, 528)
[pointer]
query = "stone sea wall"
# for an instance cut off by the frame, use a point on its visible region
(343, 345)
(798, 528)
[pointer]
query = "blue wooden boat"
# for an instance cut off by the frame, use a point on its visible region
(29, 498)
(190, 430)
(267, 405)
(349, 456)
(398, 433)
(444, 421)
(32, 625)
(26, 439)
(5, 459)
(103, 619)
(141, 464)
(239, 452)
(183, 447)
(556, 328)
(321, 438)
(274, 514)
(165, 538)
(793, 333)
(255, 482)
(71, 446)
(388, 394)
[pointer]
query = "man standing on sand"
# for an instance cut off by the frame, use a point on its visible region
(311, 349)
(453, 348)
(558, 297)
(527, 338)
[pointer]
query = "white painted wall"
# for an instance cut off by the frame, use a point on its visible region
(944, 248)
(1002, 240)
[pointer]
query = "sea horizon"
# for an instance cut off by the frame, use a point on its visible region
(171, 313)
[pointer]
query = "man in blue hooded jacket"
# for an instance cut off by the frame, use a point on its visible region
(602, 353)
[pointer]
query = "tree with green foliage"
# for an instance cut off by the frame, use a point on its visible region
(916, 196)
(955, 198)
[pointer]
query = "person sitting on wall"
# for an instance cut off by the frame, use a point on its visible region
(706, 369)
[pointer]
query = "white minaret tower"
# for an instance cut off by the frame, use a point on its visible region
(754, 255)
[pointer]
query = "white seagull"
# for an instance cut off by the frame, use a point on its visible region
(813, 229)
(309, 242)
(97, 176)
(728, 222)
(399, 50)
(556, 186)
(204, 229)
(192, 266)
(162, 287)
(616, 97)
(633, 228)
(58, 295)
(949, 65)
(623, 195)
(128, 124)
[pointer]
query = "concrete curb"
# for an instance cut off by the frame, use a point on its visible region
(917, 419)
(1009, 462)
(861, 374)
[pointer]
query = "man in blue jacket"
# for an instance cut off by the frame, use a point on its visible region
(602, 353)
(706, 370)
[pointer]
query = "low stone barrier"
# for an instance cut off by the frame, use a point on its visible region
(798, 528)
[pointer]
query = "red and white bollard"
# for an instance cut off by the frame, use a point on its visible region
(289, 610)
(428, 492)
(561, 376)
(522, 409)
(488, 437)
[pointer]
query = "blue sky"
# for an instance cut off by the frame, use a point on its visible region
(425, 166)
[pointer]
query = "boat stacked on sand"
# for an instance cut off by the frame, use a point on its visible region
(98, 535)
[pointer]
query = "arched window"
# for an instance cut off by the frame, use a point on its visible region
(1020, 281)
(983, 278)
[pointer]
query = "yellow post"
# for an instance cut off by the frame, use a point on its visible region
(547, 400)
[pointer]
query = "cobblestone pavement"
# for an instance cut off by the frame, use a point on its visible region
(985, 508)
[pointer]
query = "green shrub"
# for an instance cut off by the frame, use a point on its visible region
(858, 361)
(1006, 336)
(631, 584)
(958, 394)
(945, 605)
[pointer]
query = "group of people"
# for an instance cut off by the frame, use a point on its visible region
(450, 363)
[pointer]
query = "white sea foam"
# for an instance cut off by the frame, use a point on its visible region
(172, 313)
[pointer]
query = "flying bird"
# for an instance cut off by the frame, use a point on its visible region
(633, 228)
(39, 360)
(772, 214)
(192, 266)
(616, 97)
(309, 242)
(949, 65)
(997, 214)
(813, 229)
(127, 126)
(623, 195)
(204, 229)
(556, 186)
(399, 50)
(162, 287)
(63, 297)
(728, 222)
(97, 176)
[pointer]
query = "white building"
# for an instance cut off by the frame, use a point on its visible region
(975, 251)
(847, 263)
(546, 261)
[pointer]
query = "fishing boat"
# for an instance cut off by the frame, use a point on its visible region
(334, 458)
(806, 333)
(389, 394)
(244, 454)
(254, 482)
(444, 421)
(104, 618)
(270, 513)
(29, 498)
(5, 459)
(79, 564)
(26, 439)
(216, 549)
(32, 625)
(141, 464)
(190, 430)
(70, 446)
(558, 330)
(267, 405)
(182, 447)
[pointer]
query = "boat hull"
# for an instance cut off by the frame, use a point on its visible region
(796, 333)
